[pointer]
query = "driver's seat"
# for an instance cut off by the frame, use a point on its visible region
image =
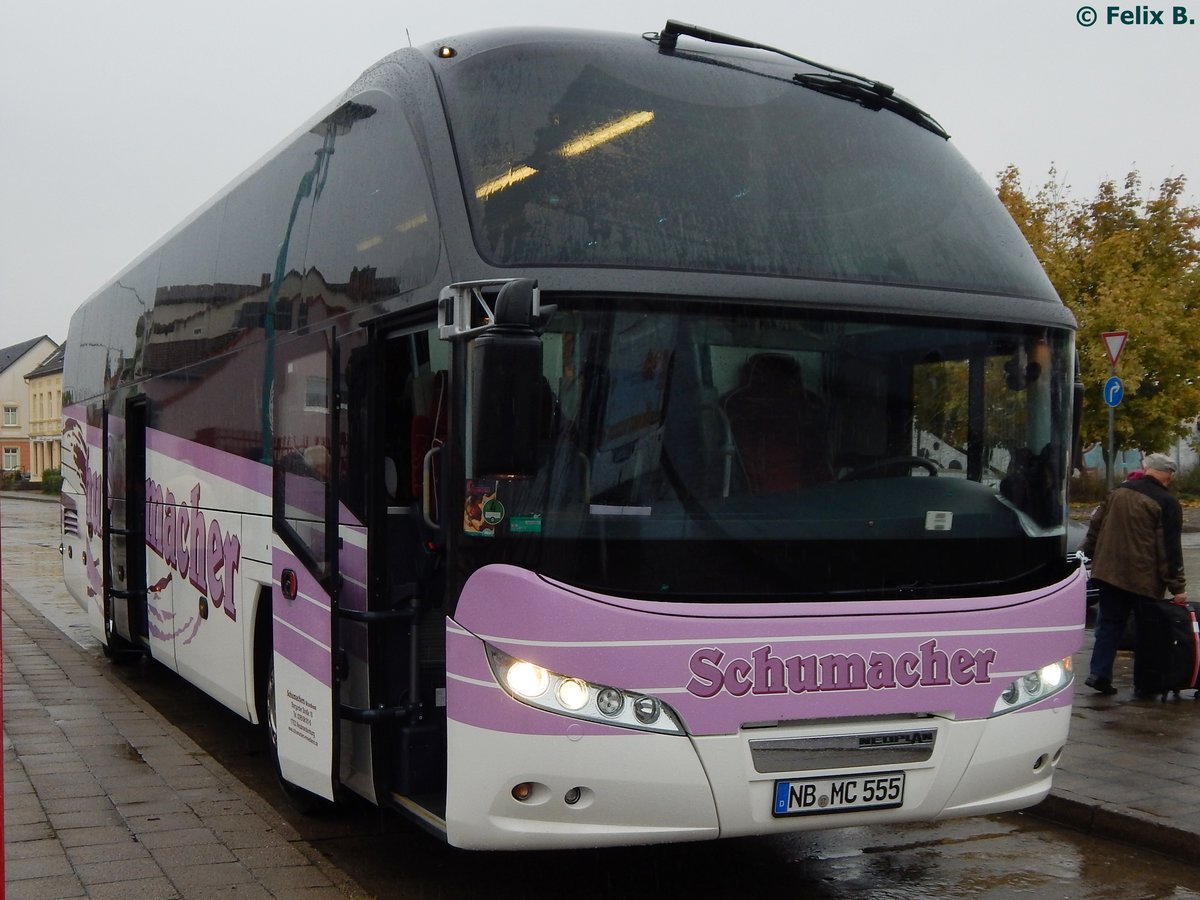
(777, 426)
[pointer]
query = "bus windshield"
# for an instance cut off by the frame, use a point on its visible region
(573, 155)
(736, 452)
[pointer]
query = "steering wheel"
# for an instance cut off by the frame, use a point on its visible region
(899, 465)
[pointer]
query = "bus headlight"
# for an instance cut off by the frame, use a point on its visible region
(579, 699)
(526, 680)
(572, 694)
(1034, 686)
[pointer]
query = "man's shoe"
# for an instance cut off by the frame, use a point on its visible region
(1103, 685)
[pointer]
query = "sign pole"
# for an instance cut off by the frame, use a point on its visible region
(1112, 434)
(1114, 343)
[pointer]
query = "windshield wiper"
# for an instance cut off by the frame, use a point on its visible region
(873, 95)
(868, 93)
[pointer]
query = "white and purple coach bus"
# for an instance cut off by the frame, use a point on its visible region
(576, 439)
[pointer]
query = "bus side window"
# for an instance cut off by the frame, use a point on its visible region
(303, 401)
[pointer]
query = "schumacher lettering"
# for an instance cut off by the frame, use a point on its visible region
(766, 673)
(196, 549)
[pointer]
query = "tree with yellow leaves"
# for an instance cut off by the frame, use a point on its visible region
(1124, 262)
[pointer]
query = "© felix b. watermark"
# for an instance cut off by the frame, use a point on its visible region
(1087, 16)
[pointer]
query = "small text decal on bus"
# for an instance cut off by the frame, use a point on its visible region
(197, 550)
(765, 673)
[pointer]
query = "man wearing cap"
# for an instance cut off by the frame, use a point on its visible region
(1134, 542)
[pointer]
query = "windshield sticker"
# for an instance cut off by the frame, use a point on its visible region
(601, 509)
(493, 512)
(482, 512)
(525, 525)
(939, 520)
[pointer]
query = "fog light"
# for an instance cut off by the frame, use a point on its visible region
(572, 796)
(610, 701)
(646, 709)
(522, 791)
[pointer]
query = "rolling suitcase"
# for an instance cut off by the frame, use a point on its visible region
(1167, 654)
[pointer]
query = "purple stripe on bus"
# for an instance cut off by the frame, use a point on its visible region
(493, 597)
(239, 470)
(305, 615)
(297, 649)
(466, 650)
(308, 612)
(718, 672)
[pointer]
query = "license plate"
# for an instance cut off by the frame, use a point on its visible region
(839, 793)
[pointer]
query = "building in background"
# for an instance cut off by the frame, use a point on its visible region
(1184, 451)
(45, 415)
(15, 362)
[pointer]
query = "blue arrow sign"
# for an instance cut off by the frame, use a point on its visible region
(1114, 390)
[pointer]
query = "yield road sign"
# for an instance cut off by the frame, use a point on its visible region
(1114, 390)
(1114, 343)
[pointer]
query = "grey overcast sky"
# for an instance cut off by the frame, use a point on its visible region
(120, 117)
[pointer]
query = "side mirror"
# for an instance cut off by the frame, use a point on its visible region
(507, 396)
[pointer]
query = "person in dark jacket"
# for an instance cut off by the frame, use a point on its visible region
(1134, 542)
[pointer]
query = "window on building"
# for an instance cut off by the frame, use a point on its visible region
(316, 394)
(12, 458)
(10, 418)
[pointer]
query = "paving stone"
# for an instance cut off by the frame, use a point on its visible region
(104, 799)
(157, 888)
(55, 887)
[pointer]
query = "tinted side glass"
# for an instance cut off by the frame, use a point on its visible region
(178, 332)
(373, 232)
(108, 334)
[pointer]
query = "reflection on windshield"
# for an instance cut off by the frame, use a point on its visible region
(756, 431)
(574, 153)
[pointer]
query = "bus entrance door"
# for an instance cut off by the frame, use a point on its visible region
(304, 680)
(404, 392)
(302, 709)
(123, 566)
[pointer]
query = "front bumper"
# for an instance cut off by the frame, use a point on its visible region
(637, 788)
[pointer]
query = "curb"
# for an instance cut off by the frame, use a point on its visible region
(1119, 823)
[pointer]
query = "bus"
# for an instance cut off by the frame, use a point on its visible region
(573, 439)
